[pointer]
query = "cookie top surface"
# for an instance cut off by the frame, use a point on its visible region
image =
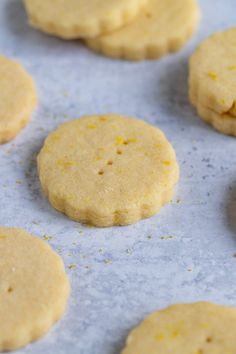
(200, 328)
(82, 18)
(33, 288)
(105, 165)
(213, 82)
(17, 98)
(162, 27)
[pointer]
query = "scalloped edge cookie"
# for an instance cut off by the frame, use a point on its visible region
(224, 123)
(29, 307)
(114, 210)
(209, 81)
(140, 40)
(17, 108)
(196, 328)
(92, 27)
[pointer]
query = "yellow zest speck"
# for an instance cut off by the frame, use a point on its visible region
(166, 163)
(72, 266)
(212, 75)
(98, 158)
(120, 140)
(103, 119)
(92, 126)
(175, 333)
(80, 232)
(204, 325)
(132, 140)
(163, 237)
(55, 137)
(63, 164)
(2, 237)
(171, 237)
(108, 261)
(231, 67)
(222, 101)
(47, 238)
(160, 337)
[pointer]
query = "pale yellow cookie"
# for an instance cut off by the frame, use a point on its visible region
(108, 170)
(33, 288)
(17, 98)
(212, 74)
(163, 27)
(82, 18)
(224, 122)
(199, 328)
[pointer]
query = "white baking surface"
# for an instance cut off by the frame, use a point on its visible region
(123, 273)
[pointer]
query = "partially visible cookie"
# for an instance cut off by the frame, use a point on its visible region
(17, 98)
(82, 18)
(33, 288)
(199, 328)
(163, 27)
(225, 123)
(108, 170)
(212, 78)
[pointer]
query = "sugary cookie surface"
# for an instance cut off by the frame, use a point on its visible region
(212, 77)
(108, 170)
(163, 27)
(82, 18)
(33, 288)
(17, 98)
(200, 328)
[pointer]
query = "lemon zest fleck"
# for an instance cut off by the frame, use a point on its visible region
(47, 237)
(167, 163)
(92, 126)
(72, 266)
(160, 337)
(103, 118)
(231, 67)
(212, 75)
(120, 140)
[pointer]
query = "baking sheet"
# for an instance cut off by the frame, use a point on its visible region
(122, 274)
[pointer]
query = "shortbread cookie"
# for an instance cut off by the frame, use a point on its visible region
(17, 98)
(82, 18)
(199, 328)
(163, 27)
(224, 123)
(33, 288)
(108, 170)
(212, 77)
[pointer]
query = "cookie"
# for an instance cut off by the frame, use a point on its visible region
(82, 18)
(212, 83)
(108, 170)
(199, 328)
(225, 123)
(163, 27)
(33, 288)
(17, 98)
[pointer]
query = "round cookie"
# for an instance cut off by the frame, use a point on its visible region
(108, 170)
(163, 27)
(33, 288)
(224, 123)
(82, 18)
(199, 328)
(17, 98)
(212, 83)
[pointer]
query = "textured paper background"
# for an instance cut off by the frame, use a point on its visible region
(123, 274)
